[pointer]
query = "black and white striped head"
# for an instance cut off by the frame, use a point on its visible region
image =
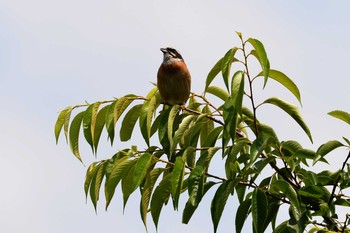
(171, 54)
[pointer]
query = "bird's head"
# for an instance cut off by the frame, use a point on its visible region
(171, 54)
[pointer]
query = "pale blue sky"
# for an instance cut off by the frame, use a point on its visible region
(59, 53)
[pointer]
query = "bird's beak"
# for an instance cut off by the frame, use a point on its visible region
(164, 50)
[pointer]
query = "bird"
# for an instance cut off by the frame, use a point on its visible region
(173, 78)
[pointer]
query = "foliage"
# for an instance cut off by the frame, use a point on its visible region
(190, 136)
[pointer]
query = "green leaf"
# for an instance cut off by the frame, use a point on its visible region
(292, 110)
(195, 185)
(184, 125)
(285, 81)
(177, 180)
(219, 201)
(326, 148)
(342, 115)
(129, 122)
(305, 154)
(211, 139)
(90, 172)
(89, 121)
(259, 210)
(146, 116)
(237, 91)
(284, 188)
(213, 73)
(63, 120)
(160, 196)
(242, 214)
(141, 169)
(74, 134)
(147, 191)
(207, 125)
(99, 124)
(226, 63)
(96, 183)
(260, 53)
(218, 92)
(128, 186)
(172, 115)
(120, 167)
(110, 120)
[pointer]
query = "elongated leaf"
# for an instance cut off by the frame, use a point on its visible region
(285, 81)
(212, 137)
(177, 180)
(90, 172)
(218, 92)
(189, 208)
(207, 125)
(326, 148)
(213, 73)
(226, 65)
(129, 122)
(283, 187)
(99, 124)
(110, 120)
(142, 166)
(219, 201)
(63, 120)
(184, 125)
(237, 91)
(242, 214)
(341, 115)
(127, 185)
(172, 115)
(261, 55)
(89, 121)
(120, 167)
(74, 134)
(96, 184)
(160, 196)
(195, 185)
(259, 210)
(147, 191)
(121, 105)
(292, 110)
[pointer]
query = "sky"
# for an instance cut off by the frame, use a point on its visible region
(55, 54)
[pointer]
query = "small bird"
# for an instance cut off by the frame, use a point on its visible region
(173, 78)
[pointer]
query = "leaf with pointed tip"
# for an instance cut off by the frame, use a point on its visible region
(160, 196)
(226, 63)
(96, 183)
(218, 92)
(219, 201)
(260, 54)
(120, 167)
(129, 122)
(325, 149)
(207, 125)
(89, 121)
(62, 122)
(74, 134)
(259, 210)
(141, 169)
(285, 81)
(237, 91)
(283, 187)
(213, 73)
(292, 110)
(242, 214)
(342, 115)
(121, 105)
(110, 120)
(146, 115)
(184, 125)
(172, 115)
(90, 172)
(99, 124)
(147, 191)
(127, 185)
(195, 185)
(177, 180)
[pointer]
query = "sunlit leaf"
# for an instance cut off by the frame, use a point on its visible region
(213, 73)
(89, 121)
(226, 63)
(184, 125)
(90, 172)
(342, 115)
(99, 124)
(110, 120)
(284, 188)
(285, 81)
(172, 115)
(260, 53)
(207, 125)
(195, 185)
(63, 120)
(142, 166)
(96, 184)
(128, 186)
(129, 122)
(292, 110)
(218, 92)
(74, 134)
(237, 90)
(326, 148)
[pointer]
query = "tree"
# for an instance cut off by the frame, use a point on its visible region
(191, 135)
